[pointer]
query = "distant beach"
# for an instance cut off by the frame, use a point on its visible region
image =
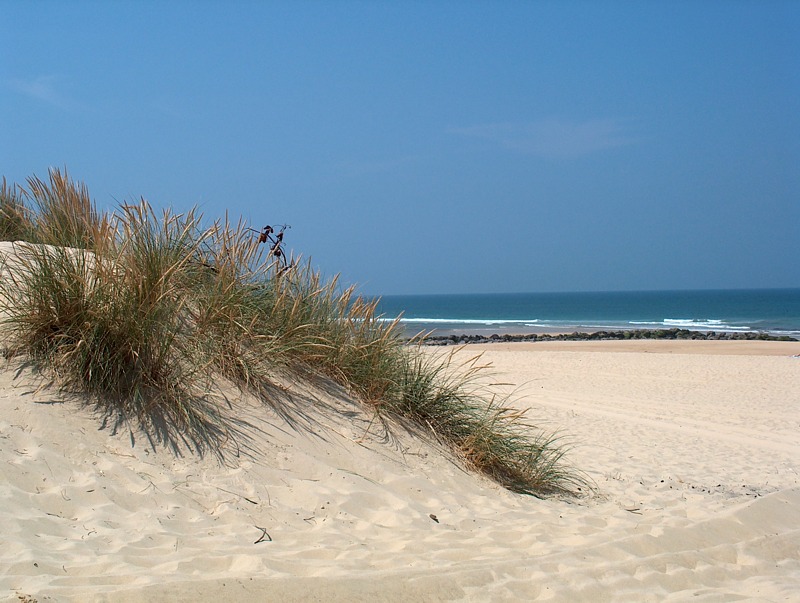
(772, 311)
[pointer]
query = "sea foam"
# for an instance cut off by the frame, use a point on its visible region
(693, 324)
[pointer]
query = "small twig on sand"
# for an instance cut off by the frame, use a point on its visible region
(250, 500)
(264, 536)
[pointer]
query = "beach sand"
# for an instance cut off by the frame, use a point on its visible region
(693, 448)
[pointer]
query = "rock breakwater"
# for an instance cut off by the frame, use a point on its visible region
(607, 336)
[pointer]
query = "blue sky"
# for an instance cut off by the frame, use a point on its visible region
(435, 147)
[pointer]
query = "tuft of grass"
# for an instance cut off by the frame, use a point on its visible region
(491, 436)
(64, 213)
(147, 312)
(115, 323)
(15, 219)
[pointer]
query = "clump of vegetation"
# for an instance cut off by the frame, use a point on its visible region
(147, 312)
(15, 223)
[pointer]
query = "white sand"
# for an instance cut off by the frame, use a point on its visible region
(694, 449)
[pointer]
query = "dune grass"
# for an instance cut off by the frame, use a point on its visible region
(15, 222)
(147, 312)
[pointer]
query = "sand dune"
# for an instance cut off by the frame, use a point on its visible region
(695, 453)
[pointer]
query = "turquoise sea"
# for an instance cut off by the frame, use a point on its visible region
(774, 311)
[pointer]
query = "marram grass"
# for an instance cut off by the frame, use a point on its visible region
(15, 223)
(147, 312)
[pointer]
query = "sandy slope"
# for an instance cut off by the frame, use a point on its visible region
(695, 454)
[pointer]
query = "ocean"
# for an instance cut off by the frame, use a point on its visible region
(773, 311)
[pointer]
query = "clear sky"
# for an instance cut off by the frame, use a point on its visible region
(435, 147)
